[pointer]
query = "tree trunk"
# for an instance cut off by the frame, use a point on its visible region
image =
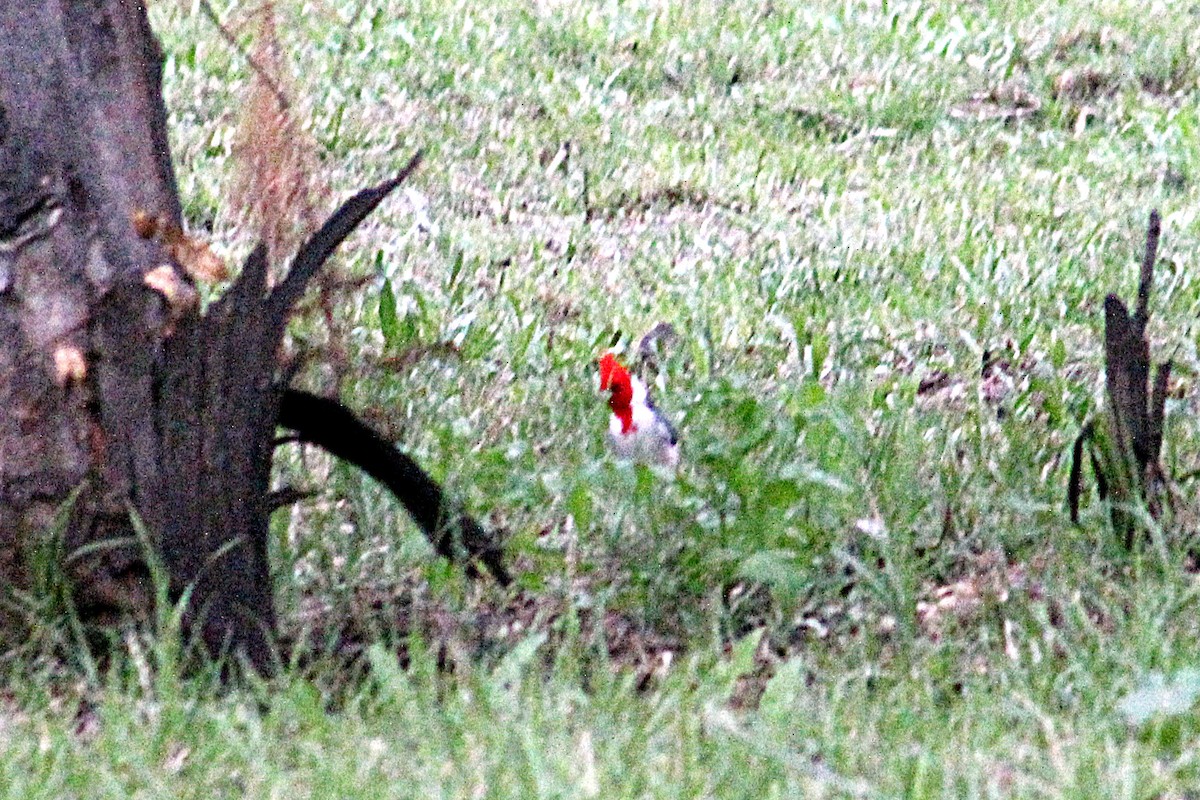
(118, 401)
(83, 144)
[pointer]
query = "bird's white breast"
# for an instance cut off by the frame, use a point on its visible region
(648, 442)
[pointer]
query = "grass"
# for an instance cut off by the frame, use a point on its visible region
(866, 588)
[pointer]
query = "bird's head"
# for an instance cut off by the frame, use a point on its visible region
(614, 378)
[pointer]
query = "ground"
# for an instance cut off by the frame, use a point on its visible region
(883, 233)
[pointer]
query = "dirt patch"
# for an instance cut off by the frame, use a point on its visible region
(344, 633)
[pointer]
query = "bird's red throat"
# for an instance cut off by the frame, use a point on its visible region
(623, 411)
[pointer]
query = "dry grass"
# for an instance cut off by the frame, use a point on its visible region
(277, 187)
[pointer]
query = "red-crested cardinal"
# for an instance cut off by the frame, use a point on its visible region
(636, 430)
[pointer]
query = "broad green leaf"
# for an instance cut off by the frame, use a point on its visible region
(389, 325)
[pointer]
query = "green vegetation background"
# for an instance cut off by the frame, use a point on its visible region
(883, 232)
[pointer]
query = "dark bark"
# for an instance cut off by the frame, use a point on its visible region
(219, 394)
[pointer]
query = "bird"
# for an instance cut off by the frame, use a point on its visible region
(637, 431)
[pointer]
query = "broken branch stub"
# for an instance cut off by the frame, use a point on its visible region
(1125, 444)
(219, 394)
